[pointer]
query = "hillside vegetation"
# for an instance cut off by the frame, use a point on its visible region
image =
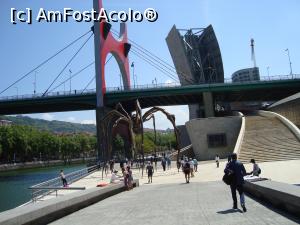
(52, 126)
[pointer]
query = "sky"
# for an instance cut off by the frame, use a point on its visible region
(273, 24)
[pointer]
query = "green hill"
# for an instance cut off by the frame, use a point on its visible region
(53, 126)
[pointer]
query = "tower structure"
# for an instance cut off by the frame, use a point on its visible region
(253, 52)
(197, 59)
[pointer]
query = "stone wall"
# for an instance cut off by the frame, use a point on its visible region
(184, 136)
(199, 129)
(290, 110)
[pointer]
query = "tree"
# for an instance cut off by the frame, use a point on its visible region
(0, 148)
(84, 143)
(28, 143)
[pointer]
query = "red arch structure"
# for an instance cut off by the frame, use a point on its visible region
(105, 43)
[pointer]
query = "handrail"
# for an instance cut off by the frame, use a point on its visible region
(142, 87)
(57, 188)
(41, 189)
(181, 150)
(51, 189)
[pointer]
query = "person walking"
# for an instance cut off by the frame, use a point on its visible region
(182, 163)
(256, 170)
(191, 162)
(186, 171)
(217, 160)
(106, 167)
(163, 163)
(150, 171)
(195, 165)
(63, 179)
(111, 165)
(236, 168)
(130, 178)
(178, 165)
(169, 163)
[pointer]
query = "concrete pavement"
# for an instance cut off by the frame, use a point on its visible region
(176, 203)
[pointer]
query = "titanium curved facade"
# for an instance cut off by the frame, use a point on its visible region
(197, 59)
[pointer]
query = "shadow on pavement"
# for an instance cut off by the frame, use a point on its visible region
(230, 211)
(276, 210)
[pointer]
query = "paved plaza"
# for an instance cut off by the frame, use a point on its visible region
(179, 203)
(282, 171)
(168, 200)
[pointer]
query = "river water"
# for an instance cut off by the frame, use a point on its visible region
(14, 184)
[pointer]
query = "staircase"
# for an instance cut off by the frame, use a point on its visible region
(267, 139)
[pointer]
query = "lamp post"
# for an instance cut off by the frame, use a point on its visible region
(132, 66)
(34, 83)
(70, 73)
(120, 81)
(291, 70)
(268, 70)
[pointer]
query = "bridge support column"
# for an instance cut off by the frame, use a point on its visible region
(101, 140)
(208, 104)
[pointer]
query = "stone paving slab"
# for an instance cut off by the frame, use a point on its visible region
(176, 204)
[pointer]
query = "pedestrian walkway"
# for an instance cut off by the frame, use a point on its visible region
(282, 171)
(177, 203)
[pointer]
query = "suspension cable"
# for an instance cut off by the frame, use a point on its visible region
(67, 64)
(173, 71)
(154, 65)
(157, 59)
(167, 70)
(75, 74)
(95, 76)
(44, 62)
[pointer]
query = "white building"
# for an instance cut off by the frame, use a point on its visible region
(244, 75)
(5, 122)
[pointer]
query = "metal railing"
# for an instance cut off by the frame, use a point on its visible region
(174, 153)
(42, 189)
(142, 87)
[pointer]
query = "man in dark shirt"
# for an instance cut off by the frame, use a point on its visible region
(150, 171)
(237, 168)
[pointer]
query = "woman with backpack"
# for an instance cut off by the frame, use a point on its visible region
(186, 170)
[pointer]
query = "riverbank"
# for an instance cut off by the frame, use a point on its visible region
(42, 164)
(14, 184)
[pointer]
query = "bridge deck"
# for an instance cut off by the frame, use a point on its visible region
(155, 96)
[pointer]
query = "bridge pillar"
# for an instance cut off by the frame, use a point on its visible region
(208, 104)
(101, 140)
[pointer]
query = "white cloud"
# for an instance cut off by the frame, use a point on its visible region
(71, 119)
(47, 116)
(88, 122)
(171, 83)
(181, 116)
